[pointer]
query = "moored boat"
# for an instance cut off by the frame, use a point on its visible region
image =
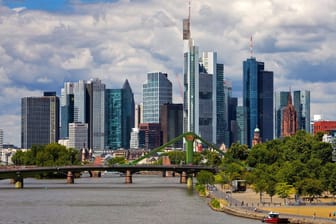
(274, 217)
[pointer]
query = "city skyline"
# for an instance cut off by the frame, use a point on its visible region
(41, 48)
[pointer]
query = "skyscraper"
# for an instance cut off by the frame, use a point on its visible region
(171, 120)
(302, 107)
(78, 135)
(156, 92)
(257, 100)
(212, 106)
(96, 107)
(119, 116)
(39, 120)
(191, 81)
(67, 109)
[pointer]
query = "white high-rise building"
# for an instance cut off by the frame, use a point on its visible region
(78, 135)
(191, 81)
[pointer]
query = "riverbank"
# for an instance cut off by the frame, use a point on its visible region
(246, 205)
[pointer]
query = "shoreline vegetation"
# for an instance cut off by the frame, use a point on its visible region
(295, 214)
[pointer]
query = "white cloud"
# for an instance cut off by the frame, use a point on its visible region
(81, 58)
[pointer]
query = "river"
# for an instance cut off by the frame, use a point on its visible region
(149, 200)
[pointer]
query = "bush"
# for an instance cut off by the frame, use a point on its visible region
(215, 203)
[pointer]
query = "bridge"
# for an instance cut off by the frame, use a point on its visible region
(186, 172)
(18, 173)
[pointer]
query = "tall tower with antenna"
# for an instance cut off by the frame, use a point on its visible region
(191, 79)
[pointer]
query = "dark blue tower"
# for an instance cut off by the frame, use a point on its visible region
(257, 100)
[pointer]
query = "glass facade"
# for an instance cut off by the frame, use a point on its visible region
(39, 120)
(191, 88)
(113, 118)
(96, 107)
(220, 105)
(302, 106)
(257, 100)
(119, 117)
(156, 92)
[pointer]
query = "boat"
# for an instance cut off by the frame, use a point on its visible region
(274, 217)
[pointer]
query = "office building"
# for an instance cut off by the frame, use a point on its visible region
(119, 117)
(156, 91)
(327, 127)
(138, 115)
(152, 135)
(302, 107)
(240, 132)
(137, 139)
(95, 91)
(67, 109)
(257, 100)
(39, 120)
(171, 120)
(78, 135)
(81, 112)
(191, 81)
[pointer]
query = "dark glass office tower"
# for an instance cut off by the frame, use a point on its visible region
(302, 107)
(257, 100)
(39, 120)
(119, 106)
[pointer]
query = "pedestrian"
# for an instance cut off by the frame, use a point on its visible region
(314, 216)
(329, 215)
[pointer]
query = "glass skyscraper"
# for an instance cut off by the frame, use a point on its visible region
(39, 120)
(302, 107)
(156, 91)
(96, 107)
(120, 106)
(67, 109)
(257, 100)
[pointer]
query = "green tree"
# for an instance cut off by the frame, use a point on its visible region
(18, 158)
(283, 190)
(309, 187)
(205, 177)
(116, 161)
(238, 151)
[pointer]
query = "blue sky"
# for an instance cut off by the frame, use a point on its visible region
(47, 42)
(51, 5)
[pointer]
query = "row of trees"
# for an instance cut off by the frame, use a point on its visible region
(300, 164)
(47, 155)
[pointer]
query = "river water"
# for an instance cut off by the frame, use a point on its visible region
(149, 200)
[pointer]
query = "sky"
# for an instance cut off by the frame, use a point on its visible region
(46, 43)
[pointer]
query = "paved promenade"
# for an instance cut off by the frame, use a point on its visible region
(247, 204)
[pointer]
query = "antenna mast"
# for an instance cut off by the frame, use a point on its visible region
(251, 46)
(189, 18)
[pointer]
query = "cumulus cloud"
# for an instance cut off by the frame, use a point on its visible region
(118, 40)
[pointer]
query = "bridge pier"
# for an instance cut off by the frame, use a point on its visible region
(189, 182)
(70, 178)
(164, 173)
(18, 182)
(183, 177)
(128, 177)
